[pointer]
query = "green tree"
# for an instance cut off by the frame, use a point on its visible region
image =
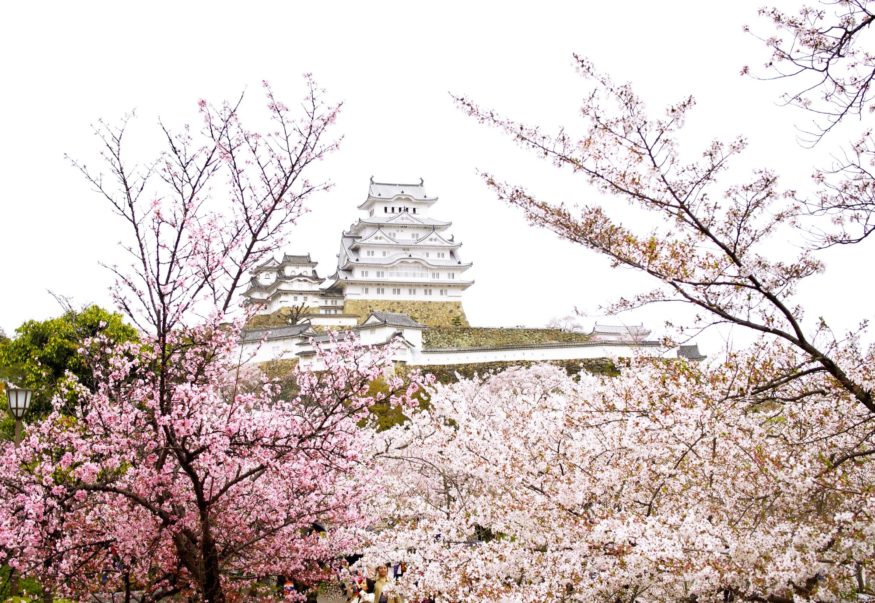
(44, 353)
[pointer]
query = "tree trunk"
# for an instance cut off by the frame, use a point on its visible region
(211, 585)
(13, 583)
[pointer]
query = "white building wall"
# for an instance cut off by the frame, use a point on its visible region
(332, 320)
(255, 352)
(534, 354)
(358, 291)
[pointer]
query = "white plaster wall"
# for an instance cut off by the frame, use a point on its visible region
(355, 290)
(444, 357)
(263, 351)
(414, 336)
(256, 352)
(374, 335)
(332, 320)
(286, 300)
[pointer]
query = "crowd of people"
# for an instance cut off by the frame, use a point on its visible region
(377, 586)
(358, 584)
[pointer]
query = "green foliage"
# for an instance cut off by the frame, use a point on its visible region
(488, 337)
(384, 414)
(451, 373)
(42, 353)
(278, 369)
(26, 589)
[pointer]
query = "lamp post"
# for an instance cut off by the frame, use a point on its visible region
(19, 401)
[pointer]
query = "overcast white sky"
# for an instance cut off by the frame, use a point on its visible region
(66, 64)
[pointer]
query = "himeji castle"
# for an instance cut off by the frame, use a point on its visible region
(400, 273)
(399, 251)
(396, 258)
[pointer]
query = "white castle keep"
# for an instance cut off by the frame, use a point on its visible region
(398, 251)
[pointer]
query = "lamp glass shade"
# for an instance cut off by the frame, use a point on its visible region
(19, 400)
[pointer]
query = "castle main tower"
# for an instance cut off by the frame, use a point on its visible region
(400, 259)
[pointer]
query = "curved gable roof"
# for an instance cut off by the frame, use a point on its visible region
(382, 191)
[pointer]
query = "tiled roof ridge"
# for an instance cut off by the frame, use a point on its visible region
(421, 183)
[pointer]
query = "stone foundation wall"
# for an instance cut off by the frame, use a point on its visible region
(280, 318)
(432, 314)
(450, 373)
(441, 338)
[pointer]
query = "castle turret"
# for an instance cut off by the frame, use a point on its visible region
(290, 282)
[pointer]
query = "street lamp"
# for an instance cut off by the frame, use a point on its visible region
(19, 400)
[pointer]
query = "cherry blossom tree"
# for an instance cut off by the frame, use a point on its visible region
(101, 500)
(714, 246)
(828, 53)
(668, 483)
(746, 481)
(181, 474)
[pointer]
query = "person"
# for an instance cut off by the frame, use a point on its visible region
(362, 588)
(383, 587)
(288, 589)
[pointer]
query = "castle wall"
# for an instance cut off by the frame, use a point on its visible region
(432, 314)
(256, 352)
(538, 353)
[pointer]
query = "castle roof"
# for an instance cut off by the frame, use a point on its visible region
(298, 259)
(280, 282)
(619, 331)
(383, 262)
(288, 259)
(299, 330)
(397, 220)
(392, 319)
(381, 191)
(691, 352)
(432, 238)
